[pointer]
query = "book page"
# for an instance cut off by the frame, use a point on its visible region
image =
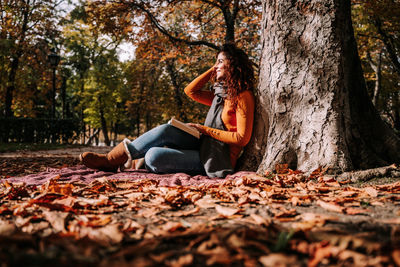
(184, 127)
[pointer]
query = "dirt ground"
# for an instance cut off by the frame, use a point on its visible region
(362, 219)
(27, 162)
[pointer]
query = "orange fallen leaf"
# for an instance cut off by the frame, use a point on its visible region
(354, 211)
(371, 191)
(330, 206)
(184, 260)
(281, 168)
(66, 201)
(279, 259)
(348, 193)
(377, 203)
(226, 211)
(6, 228)
(396, 256)
(322, 251)
(56, 219)
(110, 234)
(53, 186)
(206, 202)
(260, 220)
(172, 226)
(295, 201)
(187, 213)
(285, 213)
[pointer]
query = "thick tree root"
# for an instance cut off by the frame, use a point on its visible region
(392, 171)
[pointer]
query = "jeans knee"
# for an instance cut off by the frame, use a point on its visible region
(154, 159)
(165, 129)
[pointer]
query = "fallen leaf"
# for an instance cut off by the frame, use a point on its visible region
(283, 213)
(6, 228)
(68, 201)
(53, 186)
(359, 259)
(279, 260)
(99, 220)
(56, 219)
(184, 260)
(226, 211)
(186, 213)
(330, 206)
(149, 212)
(377, 203)
(371, 191)
(206, 202)
(354, 211)
(172, 226)
(396, 256)
(281, 168)
(100, 201)
(322, 251)
(106, 235)
(32, 228)
(260, 220)
(295, 201)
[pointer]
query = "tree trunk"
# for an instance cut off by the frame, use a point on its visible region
(15, 62)
(82, 114)
(313, 109)
(377, 68)
(104, 124)
(173, 74)
(11, 86)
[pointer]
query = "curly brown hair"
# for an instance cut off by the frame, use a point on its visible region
(239, 72)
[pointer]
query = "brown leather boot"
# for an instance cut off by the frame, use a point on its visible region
(106, 162)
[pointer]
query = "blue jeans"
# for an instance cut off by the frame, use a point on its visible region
(167, 149)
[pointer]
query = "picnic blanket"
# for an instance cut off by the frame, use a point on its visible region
(83, 174)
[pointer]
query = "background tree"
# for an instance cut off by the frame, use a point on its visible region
(97, 80)
(377, 32)
(26, 28)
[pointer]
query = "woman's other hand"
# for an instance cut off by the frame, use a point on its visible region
(197, 126)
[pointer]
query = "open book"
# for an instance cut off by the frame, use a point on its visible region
(184, 127)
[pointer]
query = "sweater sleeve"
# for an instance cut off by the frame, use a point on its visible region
(244, 120)
(193, 90)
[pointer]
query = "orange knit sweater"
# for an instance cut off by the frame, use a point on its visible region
(238, 122)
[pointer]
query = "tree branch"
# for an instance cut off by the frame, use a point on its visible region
(211, 3)
(235, 9)
(164, 31)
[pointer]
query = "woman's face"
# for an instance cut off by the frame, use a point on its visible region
(221, 66)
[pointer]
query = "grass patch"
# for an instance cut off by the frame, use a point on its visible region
(14, 147)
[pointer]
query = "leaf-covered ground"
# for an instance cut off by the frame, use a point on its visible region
(286, 218)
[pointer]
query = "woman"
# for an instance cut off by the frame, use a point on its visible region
(226, 131)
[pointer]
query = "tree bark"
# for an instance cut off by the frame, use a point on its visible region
(313, 106)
